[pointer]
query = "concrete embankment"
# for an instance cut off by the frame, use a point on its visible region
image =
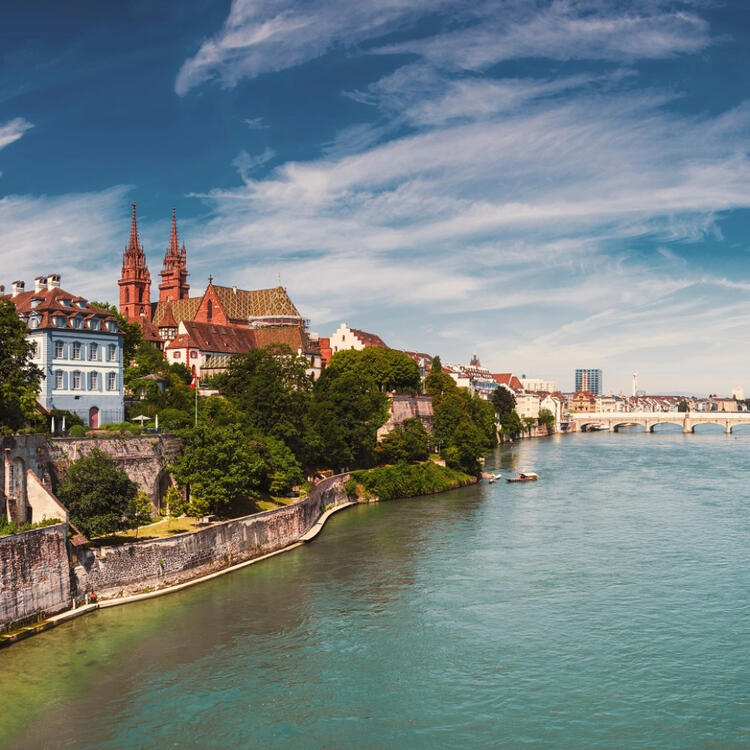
(39, 580)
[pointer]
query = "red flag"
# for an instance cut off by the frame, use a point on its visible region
(194, 381)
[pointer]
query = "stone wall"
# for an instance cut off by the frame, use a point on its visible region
(403, 407)
(19, 455)
(131, 568)
(143, 458)
(34, 575)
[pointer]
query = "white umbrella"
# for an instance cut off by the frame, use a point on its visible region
(141, 418)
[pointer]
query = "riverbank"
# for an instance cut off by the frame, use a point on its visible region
(128, 573)
(405, 480)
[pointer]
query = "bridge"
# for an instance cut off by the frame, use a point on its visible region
(688, 420)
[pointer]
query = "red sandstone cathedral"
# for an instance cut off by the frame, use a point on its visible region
(202, 332)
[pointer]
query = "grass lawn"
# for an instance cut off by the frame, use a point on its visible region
(165, 527)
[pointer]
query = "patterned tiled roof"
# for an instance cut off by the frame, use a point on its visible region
(182, 309)
(242, 304)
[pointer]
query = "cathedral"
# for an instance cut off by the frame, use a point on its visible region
(203, 331)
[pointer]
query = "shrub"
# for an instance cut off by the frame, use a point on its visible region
(77, 431)
(408, 480)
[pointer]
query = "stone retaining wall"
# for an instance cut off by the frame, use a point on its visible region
(131, 568)
(143, 458)
(34, 575)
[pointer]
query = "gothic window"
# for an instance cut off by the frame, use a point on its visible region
(209, 310)
(140, 294)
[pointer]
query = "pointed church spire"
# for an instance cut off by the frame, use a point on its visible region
(134, 245)
(174, 246)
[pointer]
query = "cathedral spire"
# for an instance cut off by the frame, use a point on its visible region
(174, 271)
(174, 246)
(134, 245)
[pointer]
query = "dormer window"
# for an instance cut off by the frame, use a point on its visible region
(65, 302)
(82, 303)
(112, 326)
(59, 321)
(33, 322)
(94, 324)
(78, 322)
(35, 302)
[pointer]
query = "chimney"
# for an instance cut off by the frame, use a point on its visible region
(40, 282)
(2, 289)
(234, 289)
(53, 281)
(17, 288)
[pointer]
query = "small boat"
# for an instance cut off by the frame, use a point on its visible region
(491, 478)
(524, 476)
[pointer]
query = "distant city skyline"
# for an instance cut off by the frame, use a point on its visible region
(544, 183)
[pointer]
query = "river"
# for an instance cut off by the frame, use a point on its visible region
(604, 606)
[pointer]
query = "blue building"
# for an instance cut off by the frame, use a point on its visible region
(589, 380)
(78, 347)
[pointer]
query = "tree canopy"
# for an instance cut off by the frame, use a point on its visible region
(98, 495)
(389, 369)
(19, 377)
(503, 401)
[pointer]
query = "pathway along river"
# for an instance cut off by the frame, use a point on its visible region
(604, 606)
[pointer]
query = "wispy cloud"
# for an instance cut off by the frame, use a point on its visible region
(12, 130)
(256, 123)
(80, 236)
(245, 164)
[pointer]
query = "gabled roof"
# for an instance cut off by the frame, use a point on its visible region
(208, 337)
(217, 339)
(369, 339)
(48, 303)
(507, 379)
(167, 319)
(243, 304)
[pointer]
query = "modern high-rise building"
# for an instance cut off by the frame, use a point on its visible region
(589, 380)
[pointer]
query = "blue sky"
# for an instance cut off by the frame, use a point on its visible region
(550, 184)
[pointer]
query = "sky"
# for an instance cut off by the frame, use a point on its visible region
(550, 185)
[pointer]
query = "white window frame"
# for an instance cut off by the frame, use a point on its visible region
(76, 381)
(77, 350)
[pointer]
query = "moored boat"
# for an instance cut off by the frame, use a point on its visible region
(524, 476)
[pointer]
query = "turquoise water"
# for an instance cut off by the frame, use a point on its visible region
(605, 606)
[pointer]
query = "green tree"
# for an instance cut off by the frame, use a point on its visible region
(683, 406)
(133, 335)
(19, 377)
(272, 389)
(467, 446)
(389, 369)
(511, 424)
(97, 494)
(438, 384)
(503, 401)
(175, 502)
(284, 471)
(139, 510)
(408, 441)
(219, 466)
(528, 424)
(345, 413)
(547, 418)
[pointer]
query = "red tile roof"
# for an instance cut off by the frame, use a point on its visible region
(216, 339)
(369, 339)
(56, 302)
(508, 379)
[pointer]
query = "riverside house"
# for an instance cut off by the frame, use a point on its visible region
(78, 347)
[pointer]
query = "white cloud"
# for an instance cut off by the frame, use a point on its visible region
(245, 163)
(13, 130)
(266, 37)
(80, 236)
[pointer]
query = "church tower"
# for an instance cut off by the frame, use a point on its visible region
(135, 281)
(174, 272)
